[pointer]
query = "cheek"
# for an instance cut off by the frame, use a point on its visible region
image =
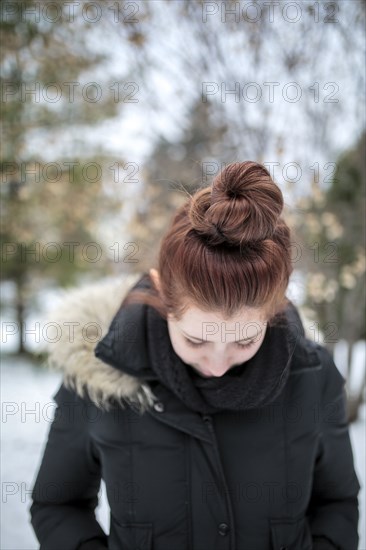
(249, 353)
(185, 352)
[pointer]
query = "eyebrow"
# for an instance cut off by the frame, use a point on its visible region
(236, 341)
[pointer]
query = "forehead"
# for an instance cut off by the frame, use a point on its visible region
(194, 316)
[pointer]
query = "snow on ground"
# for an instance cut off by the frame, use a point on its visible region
(358, 441)
(27, 411)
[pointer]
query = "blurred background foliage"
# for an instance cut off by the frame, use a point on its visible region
(135, 105)
(331, 223)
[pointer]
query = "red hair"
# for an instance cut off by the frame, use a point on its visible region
(226, 248)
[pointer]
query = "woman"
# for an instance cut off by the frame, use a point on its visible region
(213, 420)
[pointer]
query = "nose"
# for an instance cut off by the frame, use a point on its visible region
(217, 367)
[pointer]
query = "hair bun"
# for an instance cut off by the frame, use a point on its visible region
(242, 206)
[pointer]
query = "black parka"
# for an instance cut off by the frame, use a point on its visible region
(276, 478)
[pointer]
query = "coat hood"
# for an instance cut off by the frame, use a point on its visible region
(102, 349)
(82, 319)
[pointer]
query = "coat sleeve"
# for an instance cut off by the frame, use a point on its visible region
(333, 510)
(65, 493)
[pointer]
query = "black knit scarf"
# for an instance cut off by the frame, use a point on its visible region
(255, 383)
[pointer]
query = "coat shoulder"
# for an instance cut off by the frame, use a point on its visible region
(314, 359)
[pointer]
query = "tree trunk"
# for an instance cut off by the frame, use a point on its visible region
(355, 395)
(20, 307)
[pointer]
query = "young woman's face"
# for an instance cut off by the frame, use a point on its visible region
(211, 345)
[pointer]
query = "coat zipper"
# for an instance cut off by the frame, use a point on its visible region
(208, 420)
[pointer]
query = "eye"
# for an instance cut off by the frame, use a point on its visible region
(246, 345)
(199, 344)
(193, 344)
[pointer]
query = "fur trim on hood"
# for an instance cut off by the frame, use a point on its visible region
(82, 319)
